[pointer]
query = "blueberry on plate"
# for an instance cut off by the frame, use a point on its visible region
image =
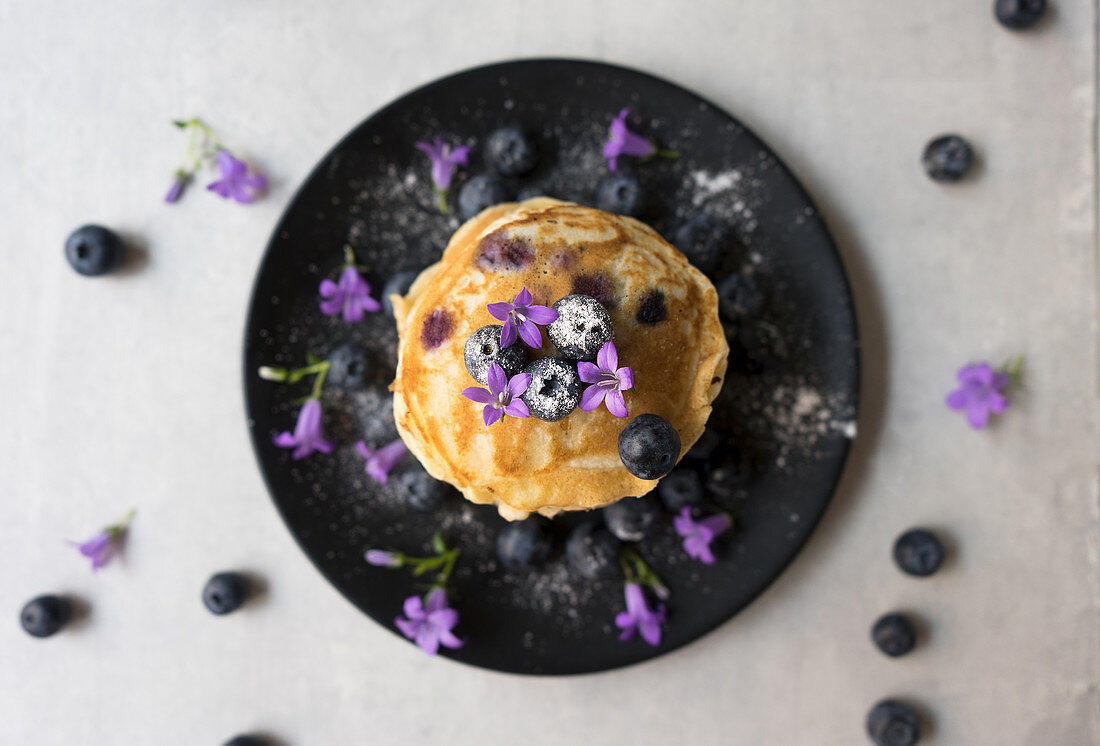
(347, 367)
(225, 592)
(582, 327)
(483, 349)
(649, 446)
(1019, 14)
(679, 489)
(511, 151)
(45, 615)
(591, 550)
(418, 489)
(918, 552)
(739, 297)
(703, 241)
(478, 193)
(620, 194)
(728, 470)
(524, 545)
(632, 518)
(398, 284)
(554, 390)
(947, 158)
(893, 723)
(894, 635)
(248, 740)
(93, 250)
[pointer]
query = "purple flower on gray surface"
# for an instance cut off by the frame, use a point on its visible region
(621, 141)
(349, 296)
(429, 622)
(381, 460)
(608, 381)
(105, 544)
(444, 160)
(698, 535)
(307, 436)
(502, 396)
(639, 618)
(236, 182)
(382, 558)
(520, 319)
(981, 392)
(179, 181)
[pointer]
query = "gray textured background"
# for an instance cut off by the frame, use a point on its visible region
(125, 391)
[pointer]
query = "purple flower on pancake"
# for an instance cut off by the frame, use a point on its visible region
(105, 544)
(382, 558)
(520, 319)
(307, 436)
(444, 159)
(429, 622)
(349, 296)
(608, 381)
(639, 618)
(235, 181)
(980, 393)
(381, 460)
(502, 396)
(698, 535)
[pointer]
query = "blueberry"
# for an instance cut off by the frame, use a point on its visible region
(530, 192)
(633, 518)
(739, 297)
(754, 346)
(93, 250)
(649, 446)
(478, 193)
(225, 592)
(679, 489)
(893, 723)
(947, 158)
(894, 635)
(483, 349)
(582, 327)
(918, 552)
(248, 741)
(347, 367)
(398, 284)
(524, 545)
(417, 488)
(727, 471)
(705, 447)
(703, 241)
(621, 195)
(651, 309)
(1019, 14)
(511, 151)
(592, 550)
(45, 615)
(555, 388)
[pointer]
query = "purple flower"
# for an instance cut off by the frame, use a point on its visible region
(621, 141)
(350, 296)
(429, 623)
(179, 181)
(104, 544)
(382, 558)
(307, 436)
(979, 393)
(444, 159)
(520, 316)
(380, 461)
(235, 181)
(638, 617)
(699, 534)
(502, 396)
(608, 381)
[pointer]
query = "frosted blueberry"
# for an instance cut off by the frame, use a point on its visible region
(583, 326)
(555, 388)
(483, 349)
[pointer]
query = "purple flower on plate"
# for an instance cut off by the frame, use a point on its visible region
(307, 436)
(350, 296)
(621, 141)
(105, 544)
(444, 159)
(382, 558)
(520, 319)
(381, 460)
(638, 617)
(235, 181)
(502, 396)
(608, 381)
(980, 393)
(179, 181)
(698, 535)
(429, 623)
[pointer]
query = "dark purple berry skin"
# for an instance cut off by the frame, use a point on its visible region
(947, 158)
(1019, 15)
(893, 723)
(225, 592)
(679, 489)
(478, 193)
(620, 194)
(894, 635)
(348, 366)
(247, 740)
(703, 240)
(633, 518)
(598, 286)
(651, 308)
(93, 250)
(918, 552)
(511, 151)
(44, 616)
(649, 446)
(436, 330)
(592, 550)
(524, 545)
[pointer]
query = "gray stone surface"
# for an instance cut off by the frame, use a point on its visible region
(125, 391)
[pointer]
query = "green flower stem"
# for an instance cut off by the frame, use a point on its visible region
(321, 369)
(637, 571)
(115, 529)
(661, 153)
(1015, 369)
(441, 200)
(201, 145)
(442, 561)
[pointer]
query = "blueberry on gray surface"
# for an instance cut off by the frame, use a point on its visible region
(418, 489)
(93, 250)
(347, 367)
(620, 194)
(524, 545)
(555, 388)
(1019, 14)
(703, 241)
(511, 151)
(591, 550)
(918, 552)
(483, 349)
(728, 470)
(582, 327)
(225, 592)
(679, 489)
(398, 284)
(739, 297)
(45, 615)
(632, 518)
(247, 740)
(894, 635)
(649, 446)
(705, 447)
(479, 192)
(651, 308)
(947, 158)
(893, 723)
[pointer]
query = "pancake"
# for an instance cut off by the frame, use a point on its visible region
(665, 315)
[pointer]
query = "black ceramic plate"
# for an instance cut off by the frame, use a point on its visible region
(789, 401)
